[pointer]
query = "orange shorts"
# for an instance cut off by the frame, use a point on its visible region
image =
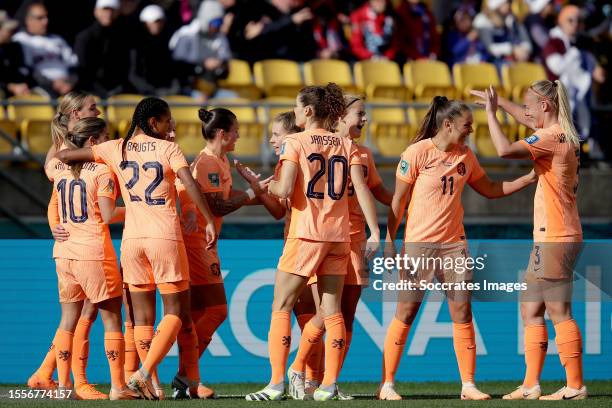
(153, 260)
(357, 270)
(307, 258)
(553, 261)
(204, 266)
(94, 280)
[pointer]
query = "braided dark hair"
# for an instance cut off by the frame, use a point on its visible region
(146, 109)
(327, 102)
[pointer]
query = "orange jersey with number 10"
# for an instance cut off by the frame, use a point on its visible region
(319, 204)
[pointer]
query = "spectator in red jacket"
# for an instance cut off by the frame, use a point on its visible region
(372, 28)
(417, 35)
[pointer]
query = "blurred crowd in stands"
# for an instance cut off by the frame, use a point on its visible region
(169, 47)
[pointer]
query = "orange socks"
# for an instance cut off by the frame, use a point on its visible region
(132, 361)
(302, 319)
(335, 343)
(80, 351)
(349, 338)
(48, 365)
(315, 364)
(165, 336)
(279, 342)
(310, 340)
(63, 354)
(464, 341)
(114, 346)
(536, 344)
(208, 323)
(395, 340)
(143, 337)
(569, 344)
(188, 354)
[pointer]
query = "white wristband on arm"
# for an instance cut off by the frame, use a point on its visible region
(250, 193)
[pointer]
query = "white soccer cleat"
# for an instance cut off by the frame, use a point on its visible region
(523, 393)
(567, 393)
(267, 394)
(296, 384)
(471, 393)
(310, 386)
(387, 392)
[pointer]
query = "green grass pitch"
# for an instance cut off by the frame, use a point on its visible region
(419, 395)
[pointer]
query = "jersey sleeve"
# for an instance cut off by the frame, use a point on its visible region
(176, 157)
(50, 168)
(107, 185)
(539, 146)
(354, 156)
(476, 170)
(408, 167)
(207, 174)
(103, 152)
(374, 178)
(53, 210)
(290, 150)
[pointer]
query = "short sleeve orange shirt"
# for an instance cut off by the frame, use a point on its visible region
(435, 212)
(319, 204)
(356, 218)
(555, 215)
(146, 178)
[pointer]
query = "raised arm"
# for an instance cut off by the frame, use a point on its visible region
(495, 189)
(366, 202)
(184, 174)
(260, 187)
(514, 109)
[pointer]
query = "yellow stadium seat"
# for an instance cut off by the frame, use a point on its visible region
(482, 135)
(390, 130)
(120, 109)
(381, 79)
(183, 108)
(519, 76)
(416, 115)
(189, 138)
(37, 134)
(8, 129)
(428, 79)
(320, 72)
(475, 76)
(278, 77)
(240, 80)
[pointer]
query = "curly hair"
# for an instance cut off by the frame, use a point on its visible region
(327, 102)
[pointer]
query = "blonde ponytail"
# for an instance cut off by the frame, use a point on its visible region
(565, 114)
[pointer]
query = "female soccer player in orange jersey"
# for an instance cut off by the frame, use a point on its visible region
(73, 107)
(86, 262)
(211, 169)
(557, 233)
(430, 179)
(152, 250)
(350, 127)
(315, 165)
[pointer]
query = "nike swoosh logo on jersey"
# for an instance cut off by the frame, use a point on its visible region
(429, 167)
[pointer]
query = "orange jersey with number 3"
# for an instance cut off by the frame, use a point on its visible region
(555, 213)
(146, 178)
(319, 204)
(79, 212)
(435, 212)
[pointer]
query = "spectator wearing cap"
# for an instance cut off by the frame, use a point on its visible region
(500, 31)
(48, 57)
(461, 41)
(417, 34)
(13, 73)
(575, 68)
(372, 31)
(104, 52)
(539, 21)
(202, 50)
(152, 70)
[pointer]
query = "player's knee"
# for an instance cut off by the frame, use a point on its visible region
(406, 312)
(461, 312)
(218, 313)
